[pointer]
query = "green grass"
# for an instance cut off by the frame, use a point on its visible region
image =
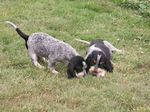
(26, 88)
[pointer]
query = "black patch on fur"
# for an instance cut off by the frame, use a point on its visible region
(75, 66)
(97, 41)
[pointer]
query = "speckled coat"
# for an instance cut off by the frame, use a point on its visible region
(44, 45)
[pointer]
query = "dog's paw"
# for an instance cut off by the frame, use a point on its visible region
(55, 72)
(45, 60)
(40, 66)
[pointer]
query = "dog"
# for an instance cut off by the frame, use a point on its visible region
(99, 56)
(50, 49)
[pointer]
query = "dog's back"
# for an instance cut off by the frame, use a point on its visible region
(45, 45)
(100, 44)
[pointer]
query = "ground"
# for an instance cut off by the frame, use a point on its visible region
(24, 87)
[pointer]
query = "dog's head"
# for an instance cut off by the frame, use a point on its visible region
(76, 67)
(97, 61)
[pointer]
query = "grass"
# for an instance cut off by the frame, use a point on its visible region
(26, 88)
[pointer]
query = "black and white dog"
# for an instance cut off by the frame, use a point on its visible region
(99, 55)
(52, 50)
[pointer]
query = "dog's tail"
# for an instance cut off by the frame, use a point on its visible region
(23, 35)
(83, 41)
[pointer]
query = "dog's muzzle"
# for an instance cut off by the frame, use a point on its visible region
(81, 74)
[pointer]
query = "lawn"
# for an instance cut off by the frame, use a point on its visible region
(24, 87)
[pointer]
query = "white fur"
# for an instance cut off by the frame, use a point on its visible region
(111, 47)
(98, 59)
(81, 74)
(84, 65)
(91, 49)
(12, 24)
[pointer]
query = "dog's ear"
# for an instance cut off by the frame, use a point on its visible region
(108, 66)
(88, 62)
(89, 59)
(70, 72)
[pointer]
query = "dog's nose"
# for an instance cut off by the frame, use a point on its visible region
(95, 71)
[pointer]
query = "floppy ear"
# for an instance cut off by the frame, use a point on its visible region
(88, 60)
(70, 72)
(108, 66)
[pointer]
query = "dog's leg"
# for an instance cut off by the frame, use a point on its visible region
(66, 62)
(44, 59)
(111, 47)
(34, 60)
(51, 65)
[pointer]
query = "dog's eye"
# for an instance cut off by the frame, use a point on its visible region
(101, 63)
(94, 61)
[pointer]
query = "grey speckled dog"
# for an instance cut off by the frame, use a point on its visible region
(42, 45)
